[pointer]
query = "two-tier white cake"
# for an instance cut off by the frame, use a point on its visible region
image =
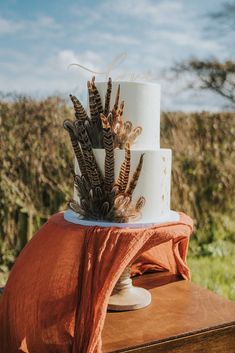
(142, 108)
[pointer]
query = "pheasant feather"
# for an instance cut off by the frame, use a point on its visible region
(92, 168)
(140, 203)
(81, 186)
(134, 134)
(117, 99)
(123, 177)
(74, 206)
(69, 126)
(128, 127)
(109, 154)
(105, 209)
(115, 107)
(107, 97)
(97, 96)
(80, 112)
(135, 177)
(92, 103)
(120, 111)
(100, 197)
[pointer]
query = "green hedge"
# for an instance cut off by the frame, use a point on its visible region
(36, 161)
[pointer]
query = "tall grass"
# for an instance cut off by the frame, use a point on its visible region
(35, 161)
(203, 183)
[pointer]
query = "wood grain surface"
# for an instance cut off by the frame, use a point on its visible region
(181, 318)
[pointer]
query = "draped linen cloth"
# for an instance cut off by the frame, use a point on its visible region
(56, 297)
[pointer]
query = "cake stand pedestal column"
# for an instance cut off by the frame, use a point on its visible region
(125, 296)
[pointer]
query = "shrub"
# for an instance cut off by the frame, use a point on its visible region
(203, 183)
(35, 158)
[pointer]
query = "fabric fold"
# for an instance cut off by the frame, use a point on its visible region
(57, 294)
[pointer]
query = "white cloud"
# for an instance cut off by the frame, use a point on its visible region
(9, 26)
(46, 22)
(191, 40)
(161, 28)
(28, 28)
(50, 76)
(118, 39)
(157, 11)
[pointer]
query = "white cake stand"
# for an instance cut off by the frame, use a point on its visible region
(125, 296)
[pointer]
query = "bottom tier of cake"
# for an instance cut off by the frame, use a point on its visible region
(154, 182)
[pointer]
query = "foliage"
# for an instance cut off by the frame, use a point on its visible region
(213, 75)
(203, 147)
(34, 159)
(224, 19)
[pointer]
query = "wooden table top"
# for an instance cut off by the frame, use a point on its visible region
(178, 309)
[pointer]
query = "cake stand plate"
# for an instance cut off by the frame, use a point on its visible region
(73, 217)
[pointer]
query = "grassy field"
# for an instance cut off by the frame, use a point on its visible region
(215, 271)
(36, 181)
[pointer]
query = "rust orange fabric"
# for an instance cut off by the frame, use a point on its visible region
(57, 294)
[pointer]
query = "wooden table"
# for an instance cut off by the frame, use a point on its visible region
(181, 318)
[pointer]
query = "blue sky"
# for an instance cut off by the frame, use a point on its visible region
(39, 39)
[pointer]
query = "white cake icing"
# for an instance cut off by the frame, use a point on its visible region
(142, 108)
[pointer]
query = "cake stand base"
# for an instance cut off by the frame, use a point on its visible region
(127, 297)
(133, 299)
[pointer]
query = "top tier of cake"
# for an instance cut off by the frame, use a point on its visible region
(142, 108)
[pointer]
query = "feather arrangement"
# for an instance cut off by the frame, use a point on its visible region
(101, 197)
(123, 131)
